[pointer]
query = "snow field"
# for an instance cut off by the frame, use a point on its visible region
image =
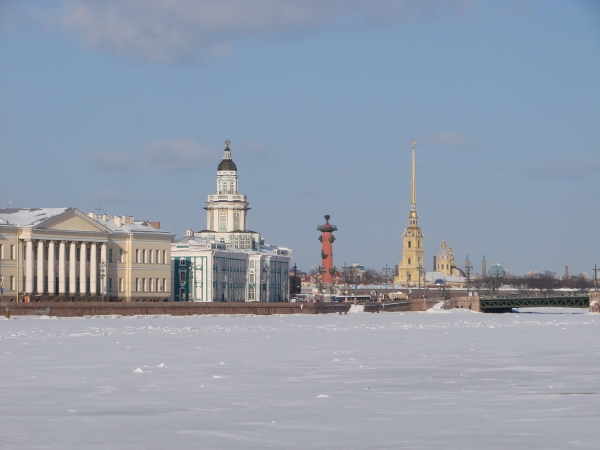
(392, 380)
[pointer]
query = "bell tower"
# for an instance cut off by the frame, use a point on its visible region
(412, 239)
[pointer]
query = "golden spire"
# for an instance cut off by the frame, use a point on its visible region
(413, 198)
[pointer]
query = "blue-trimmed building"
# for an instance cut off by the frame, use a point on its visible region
(226, 262)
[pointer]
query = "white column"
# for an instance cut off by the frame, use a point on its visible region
(29, 268)
(73, 268)
(51, 266)
(83, 269)
(103, 281)
(62, 288)
(40, 267)
(93, 269)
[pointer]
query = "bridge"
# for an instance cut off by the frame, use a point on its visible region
(494, 304)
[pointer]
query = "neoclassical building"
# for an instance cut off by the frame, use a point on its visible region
(412, 239)
(56, 254)
(226, 262)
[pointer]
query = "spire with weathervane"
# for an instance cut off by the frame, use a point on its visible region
(410, 269)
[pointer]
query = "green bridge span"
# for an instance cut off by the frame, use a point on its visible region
(506, 304)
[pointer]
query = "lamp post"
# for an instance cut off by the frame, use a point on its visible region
(421, 271)
(1, 281)
(595, 278)
(266, 272)
(102, 278)
(468, 268)
(295, 280)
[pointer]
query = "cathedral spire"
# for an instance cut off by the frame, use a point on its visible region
(413, 198)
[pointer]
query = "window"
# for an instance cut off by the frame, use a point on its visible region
(151, 285)
(164, 285)
(251, 293)
(157, 256)
(121, 285)
(1, 251)
(182, 294)
(12, 283)
(110, 255)
(12, 252)
(236, 221)
(182, 261)
(409, 244)
(144, 285)
(110, 284)
(252, 278)
(137, 285)
(418, 243)
(157, 285)
(137, 255)
(144, 260)
(121, 259)
(165, 261)
(222, 221)
(252, 264)
(408, 261)
(182, 276)
(211, 221)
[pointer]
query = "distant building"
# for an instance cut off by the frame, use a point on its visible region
(56, 254)
(495, 270)
(226, 262)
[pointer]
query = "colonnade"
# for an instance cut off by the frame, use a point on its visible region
(77, 270)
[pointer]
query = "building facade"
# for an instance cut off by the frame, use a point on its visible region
(61, 254)
(226, 262)
(410, 269)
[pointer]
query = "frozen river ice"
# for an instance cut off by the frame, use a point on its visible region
(414, 380)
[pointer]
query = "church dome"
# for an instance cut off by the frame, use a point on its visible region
(227, 164)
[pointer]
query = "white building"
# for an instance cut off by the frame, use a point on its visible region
(226, 262)
(61, 254)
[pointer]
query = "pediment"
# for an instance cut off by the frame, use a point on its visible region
(72, 220)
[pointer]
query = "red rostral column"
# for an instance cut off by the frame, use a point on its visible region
(327, 239)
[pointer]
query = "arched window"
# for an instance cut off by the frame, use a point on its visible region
(409, 244)
(231, 187)
(251, 294)
(222, 221)
(236, 221)
(408, 261)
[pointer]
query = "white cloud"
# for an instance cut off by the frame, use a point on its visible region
(451, 140)
(181, 30)
(180, 154)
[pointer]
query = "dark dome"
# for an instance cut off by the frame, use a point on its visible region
(227, 164)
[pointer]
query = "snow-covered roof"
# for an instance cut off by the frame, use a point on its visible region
(432, 276)
(28, 217)
(141, 226)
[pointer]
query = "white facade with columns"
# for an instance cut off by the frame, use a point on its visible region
(63, 254)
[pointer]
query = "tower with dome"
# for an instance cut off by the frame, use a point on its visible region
(227, 262)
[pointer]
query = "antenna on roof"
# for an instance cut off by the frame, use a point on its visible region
(98, 209)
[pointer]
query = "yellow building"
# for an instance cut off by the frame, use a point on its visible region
(412, 250)
(444, 260)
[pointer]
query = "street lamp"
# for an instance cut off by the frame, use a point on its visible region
(102, 278)
(421, 271)
(266, 271)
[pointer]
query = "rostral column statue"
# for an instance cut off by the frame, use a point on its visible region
(327, 268)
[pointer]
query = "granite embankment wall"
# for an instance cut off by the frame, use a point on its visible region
(413, 304)
(465, 302)
(81, 309)
(595, 302)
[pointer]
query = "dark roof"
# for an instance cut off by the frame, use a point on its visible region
(227, 164)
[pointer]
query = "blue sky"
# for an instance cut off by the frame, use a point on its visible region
(127, 105)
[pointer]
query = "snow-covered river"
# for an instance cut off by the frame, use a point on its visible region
(414, 380)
